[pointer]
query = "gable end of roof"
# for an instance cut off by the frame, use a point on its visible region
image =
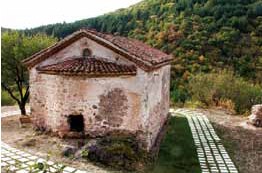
(147, 65)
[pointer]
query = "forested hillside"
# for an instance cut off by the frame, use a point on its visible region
(203, 35)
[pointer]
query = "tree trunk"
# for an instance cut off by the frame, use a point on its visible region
(22, 108)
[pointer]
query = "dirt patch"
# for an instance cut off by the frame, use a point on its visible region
(42, 145)
(11, 108)
(242, 141)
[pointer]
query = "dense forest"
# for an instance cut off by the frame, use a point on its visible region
(203, 35)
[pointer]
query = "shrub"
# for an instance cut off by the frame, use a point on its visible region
(225, 89)
(178, 95)
(200, 87)
(227, 104)
(119, 152)
(194, 104)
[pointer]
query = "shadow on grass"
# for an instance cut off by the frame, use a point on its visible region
(177, 152)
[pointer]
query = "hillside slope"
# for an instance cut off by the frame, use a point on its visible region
(203, 35)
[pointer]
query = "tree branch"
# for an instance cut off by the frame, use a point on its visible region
(10, 93)
(26, 94)
(19, 82)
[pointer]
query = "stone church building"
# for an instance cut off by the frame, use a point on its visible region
(94, 83)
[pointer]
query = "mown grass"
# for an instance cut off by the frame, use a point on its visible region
(177, 152)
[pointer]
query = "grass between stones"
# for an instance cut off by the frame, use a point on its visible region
(177, 151)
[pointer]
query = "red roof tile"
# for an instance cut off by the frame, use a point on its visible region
(137, 48)
(90, 66)
(141, 54)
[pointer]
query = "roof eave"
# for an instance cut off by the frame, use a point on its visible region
(91, 75)
(34, 59)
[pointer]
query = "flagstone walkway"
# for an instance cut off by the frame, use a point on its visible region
(211, 153)
(18, 161)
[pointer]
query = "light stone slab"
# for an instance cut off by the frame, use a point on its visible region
(207, 142)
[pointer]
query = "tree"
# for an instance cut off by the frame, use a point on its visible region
(16, 47)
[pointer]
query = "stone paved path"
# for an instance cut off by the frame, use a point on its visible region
(211, 153)
(21, 162)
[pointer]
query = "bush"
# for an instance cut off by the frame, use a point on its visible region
(178, 95)
(120, 152)
(216, 88)
(6, 100)
(194, 104)
(227, 104)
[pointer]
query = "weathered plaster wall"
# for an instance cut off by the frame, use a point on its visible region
(134, 103)
(76, 49)
(105, 103)
(158, 87)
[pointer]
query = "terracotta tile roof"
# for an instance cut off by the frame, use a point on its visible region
(137, 48)
(89, 66)
(137, 52)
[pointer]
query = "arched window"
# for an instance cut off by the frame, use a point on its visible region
(86, 52)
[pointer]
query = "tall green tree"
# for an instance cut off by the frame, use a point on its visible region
(16, 47)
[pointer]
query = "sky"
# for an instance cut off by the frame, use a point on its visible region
(21, 14)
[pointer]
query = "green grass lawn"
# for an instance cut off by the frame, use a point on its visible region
(177, 152)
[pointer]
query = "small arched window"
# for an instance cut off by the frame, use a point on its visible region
(86, 52)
